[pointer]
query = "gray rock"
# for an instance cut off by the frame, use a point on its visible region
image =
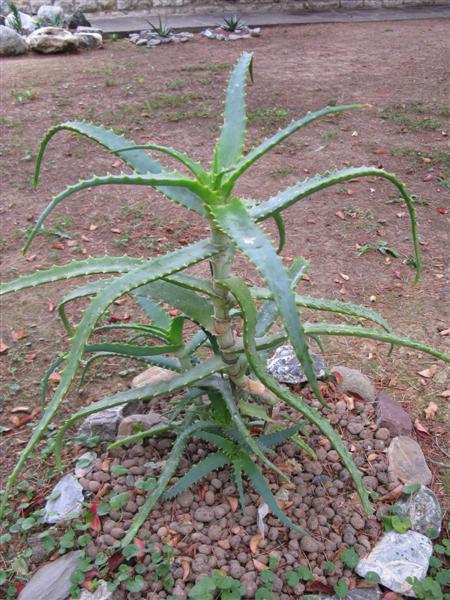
(52, 40)
(391, 415)
(28, 24)
(52, 581)
(144, 422)
(51, 15)
(106, 422)
(78, 19)
(285, 366)
(4, 8)
(84, 464)
(354, 382)
(89, 29)
(407, 462)
(396, 557)
(39, 553)
(424, 511)
(11, 43)
(68, 497)
(89, 41)
(101, 593)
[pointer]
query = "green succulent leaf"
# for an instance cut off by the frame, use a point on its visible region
(235, 221)
(232, 137)
(211, 463)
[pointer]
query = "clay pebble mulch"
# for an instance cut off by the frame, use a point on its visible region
(207, 529)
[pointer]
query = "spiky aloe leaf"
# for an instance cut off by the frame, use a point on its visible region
(268, 311)
(131, 350)
(146, 330)
(190, 282)
(138, 160)
(279, 137)
(89, 289)
(213, 462)
(334, 306)
(157, 315)
(193, 166)
(154, 269)
(236, 222)
(243, 296)
(230, 144)
(319, 182)
(281, 231)
(260, 485)
(311, 329)
(79, 268)
(195, 307)
(157, 181)
(223, 387)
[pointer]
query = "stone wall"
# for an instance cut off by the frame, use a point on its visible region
(219, 7)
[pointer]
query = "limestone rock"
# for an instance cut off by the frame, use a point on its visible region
(50, 15)
(90, 29)
(101, 593)
(396, 557)
(391, 415)
(28, 24)
(11, 43)
(85, 464)
(354, 382)
(424, 511)
(52, 581)
(105, 423)
(52, 40)
(286, 368)
(407, 462)
(67, 500)
(152, 376)
(78, 19)
(144, 422)
(89, 41)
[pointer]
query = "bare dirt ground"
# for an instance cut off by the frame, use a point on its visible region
(173, 95)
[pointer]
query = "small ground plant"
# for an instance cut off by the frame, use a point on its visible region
(224, 394)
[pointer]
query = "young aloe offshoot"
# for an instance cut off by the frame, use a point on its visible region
(229, 391)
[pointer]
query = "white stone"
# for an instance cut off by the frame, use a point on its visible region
(52, 581)
(101, 593)
(84, 464)
(28, 24)
(52, 40)
(51, 15)
(143, 421)
(84, 29)
(396, 557)
(68, 498)
(11, 43)
(424, 511)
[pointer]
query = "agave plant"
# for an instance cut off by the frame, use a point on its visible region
(162, 29)
(227, 389)
(233, 23)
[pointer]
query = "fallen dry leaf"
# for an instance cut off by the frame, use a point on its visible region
(445, 332)
(428, 373)
(421, 429)
(340, 214)
(51, 305)
(344, 276)
(233, 502)
(19, 335)
(19, 420)
(186, 569)
(19, 409)
(431, 410)
(259, 566)
(92, 227)
(3, 347)
(445, 394)
(57, 246)
(254, 542)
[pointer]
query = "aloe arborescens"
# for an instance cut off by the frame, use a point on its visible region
(226, 385)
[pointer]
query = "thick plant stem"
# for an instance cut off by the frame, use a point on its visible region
(221, 266)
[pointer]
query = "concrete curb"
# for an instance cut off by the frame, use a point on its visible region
(123, 24)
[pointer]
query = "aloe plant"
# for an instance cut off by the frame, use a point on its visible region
(227, 389)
